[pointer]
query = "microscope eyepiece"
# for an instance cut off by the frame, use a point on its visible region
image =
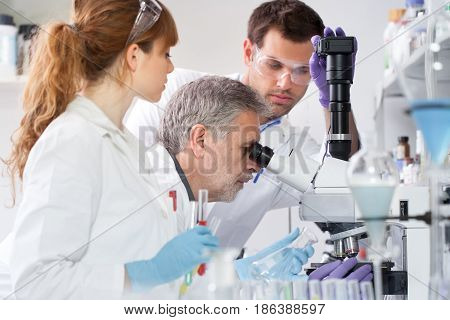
(261, 155)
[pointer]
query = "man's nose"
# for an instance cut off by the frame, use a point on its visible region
(285, 82)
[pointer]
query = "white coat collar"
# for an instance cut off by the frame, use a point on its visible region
(92, 113)
(123, 140)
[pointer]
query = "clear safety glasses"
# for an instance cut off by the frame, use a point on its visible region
(149, 13)
(276, 69)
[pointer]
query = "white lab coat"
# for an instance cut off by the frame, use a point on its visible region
(87, 210)
(239, 218)
(5, 274)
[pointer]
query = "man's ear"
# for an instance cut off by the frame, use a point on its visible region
(131, 57)
(197, 140)
(248, 52)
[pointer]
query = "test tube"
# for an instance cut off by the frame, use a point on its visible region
(194, 214)
(314, 290)
(329, 289)
(247, 290)
(188, 276)
(300, 289)
(286, 290)
(202, 206)
(367, 292)
(259, 290)
(353, 290)
(341, 289)
(273, 290)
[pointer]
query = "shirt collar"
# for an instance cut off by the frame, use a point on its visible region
(183, 177)
(269, 124)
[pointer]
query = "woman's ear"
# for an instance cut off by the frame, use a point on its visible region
(131, 57)
(197, 140)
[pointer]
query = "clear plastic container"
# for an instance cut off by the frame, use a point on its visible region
(8, 48)
(25, 39)
(395, 16)
(412, 32)
(273, 265)
(221, 276)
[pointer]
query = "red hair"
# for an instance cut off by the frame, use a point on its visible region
(68, 56)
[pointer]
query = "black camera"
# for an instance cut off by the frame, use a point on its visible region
(339, 55)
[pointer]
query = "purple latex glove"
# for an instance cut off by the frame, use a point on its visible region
(318, 65)
(338, 269)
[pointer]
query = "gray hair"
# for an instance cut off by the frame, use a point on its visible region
(212, 101)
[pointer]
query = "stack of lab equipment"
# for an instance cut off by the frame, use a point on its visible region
(426, 89)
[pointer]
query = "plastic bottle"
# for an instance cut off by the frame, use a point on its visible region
(412, 33)
(402, 155)
(8, 44)
(420, 158)
(222, 278)
(417, 35)
(442, 26)
(395, 15)
(403, 149)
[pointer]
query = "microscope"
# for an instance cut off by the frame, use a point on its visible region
(327, 199)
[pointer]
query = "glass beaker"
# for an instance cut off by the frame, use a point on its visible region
(372, 176)
(221, 276)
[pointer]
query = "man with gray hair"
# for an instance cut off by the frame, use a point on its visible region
(208, 129)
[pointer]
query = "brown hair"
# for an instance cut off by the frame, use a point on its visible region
(294, 19)
(67, 57)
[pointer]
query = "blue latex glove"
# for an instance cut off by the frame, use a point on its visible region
(318, 65)
(289, 265)
(177, 257)
(338, 269)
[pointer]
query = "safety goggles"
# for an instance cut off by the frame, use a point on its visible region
(276, 68)
(149, 13)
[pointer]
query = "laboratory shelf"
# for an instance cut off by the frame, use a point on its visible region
(414, 65)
